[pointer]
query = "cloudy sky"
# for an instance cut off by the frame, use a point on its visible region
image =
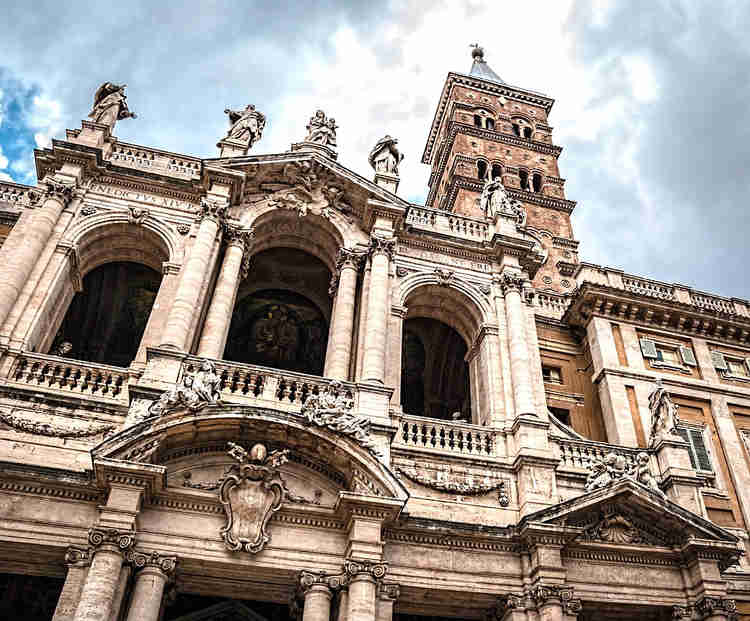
(651, 106)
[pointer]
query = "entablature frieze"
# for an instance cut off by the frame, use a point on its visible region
(594, 299)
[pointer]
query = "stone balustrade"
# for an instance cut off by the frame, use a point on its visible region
(257, 385)
(447, 223)
(444, 437)
(580, 454)
(551, 304)
(146, 159)
(70, 376)
(616, 279)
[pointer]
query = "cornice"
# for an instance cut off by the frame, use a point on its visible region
(188, 194)
(484, 86)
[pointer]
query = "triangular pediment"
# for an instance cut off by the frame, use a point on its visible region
(630, 514)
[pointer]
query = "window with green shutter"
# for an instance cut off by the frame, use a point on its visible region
(700, 459)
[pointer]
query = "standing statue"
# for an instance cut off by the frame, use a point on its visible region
(664, 418)
(495, 201)
(246, 125)
(110, 105)
(206, 383)
(385, 156)
(321, 130)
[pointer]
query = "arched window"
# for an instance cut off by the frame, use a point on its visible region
(490, 123)
(106, 320)
(527, 132)
(434, 374)
(281, 315)
(536, 181)
(481, 170)
(497, 171)
(477, 120)
(517, 129)
(524, 177)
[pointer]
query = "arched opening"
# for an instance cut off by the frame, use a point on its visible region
(282, 313)
(477, 120)
(497, 171)
(434, 372)
(517, 129)
(481, 170)
(490, 123)
(527, 132)
(107, 319)
(536, 181)
(524, 178)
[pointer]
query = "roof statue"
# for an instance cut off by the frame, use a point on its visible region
(495, 201)
(110, 105)
(385, 156)
(322, 130)
(480, 68)
(245, 125)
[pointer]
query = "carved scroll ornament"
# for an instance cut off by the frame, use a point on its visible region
(51, 430)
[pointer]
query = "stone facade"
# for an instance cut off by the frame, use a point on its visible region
(563, 482)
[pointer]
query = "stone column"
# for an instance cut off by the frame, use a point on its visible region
(233, 270)
(317, 596)
(373, 365)
(348, 264)
(388, 593)
(122, 585)
(110, 544)
(716, 609)
(556, 603)
(27, 240)
(194, 270)
(520, 370)
(363, 583)
(153, 572)
(78, 561)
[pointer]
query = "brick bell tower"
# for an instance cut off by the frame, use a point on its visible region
(484, 129)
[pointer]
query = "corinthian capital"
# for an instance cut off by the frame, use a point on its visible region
(382, 245)
(376, 569)
(212, 209)
(139, 560)
(51, 188)
(123, 539)
(708, 606)
(349, 258)
(511, 281)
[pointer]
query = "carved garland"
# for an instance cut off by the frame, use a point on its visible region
(51, 430)
(466, 487)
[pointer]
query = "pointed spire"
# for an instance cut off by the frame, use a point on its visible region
(480, 68)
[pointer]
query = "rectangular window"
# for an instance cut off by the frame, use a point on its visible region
(552, 375)
(737, 367)
(699, 456)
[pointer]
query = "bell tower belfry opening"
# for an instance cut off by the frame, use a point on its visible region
(485, 129)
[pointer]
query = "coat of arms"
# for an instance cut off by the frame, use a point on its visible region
(251, 492)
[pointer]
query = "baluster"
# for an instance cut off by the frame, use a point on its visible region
(433, 436)
(405, 432)
(443, 439)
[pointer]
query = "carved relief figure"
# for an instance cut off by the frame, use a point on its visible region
(643, 473)
(664, 418)
(110, 105)
(385, 156)
(195, 391)
(608, 469)
(331, 408)
(321, 130)
(246, 125)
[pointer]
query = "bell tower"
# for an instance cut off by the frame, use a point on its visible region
(486, 129)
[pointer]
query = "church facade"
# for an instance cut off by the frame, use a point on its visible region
(261, 386)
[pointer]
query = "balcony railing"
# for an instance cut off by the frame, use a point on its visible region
(71, 376)
(417, 432)
(580, 454)
(447, 223)
(650, 288)
(712, 302)
(551, 305)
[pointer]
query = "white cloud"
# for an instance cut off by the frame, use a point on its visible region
(46, 116)
(3, 159)
(5, 176)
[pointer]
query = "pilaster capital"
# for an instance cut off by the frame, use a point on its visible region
(374, 569)
(708, 606)
(243, 239)
(141, 560)
(511, 282)
(389, 591)
(349, 258)
(123, 540)
(504, 603)
(51, 188)
(78, 557)
(212, 209)
(555, 594)
(682, 613)
(382, 245)
(308, 579)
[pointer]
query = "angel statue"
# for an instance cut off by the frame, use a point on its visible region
(246, 125)
(385, 156)
(110, 105)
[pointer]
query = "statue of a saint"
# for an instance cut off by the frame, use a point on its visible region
(664, 418)
(206, 383)
(110, 105)
(495, 201)
(385, 156)
(246, 125)
(195, 391)
(321, 130)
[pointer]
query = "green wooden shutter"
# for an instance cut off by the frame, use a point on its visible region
(686, 353)
(720, 363)
(701, 452)
(685, 436)
(648, 349)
